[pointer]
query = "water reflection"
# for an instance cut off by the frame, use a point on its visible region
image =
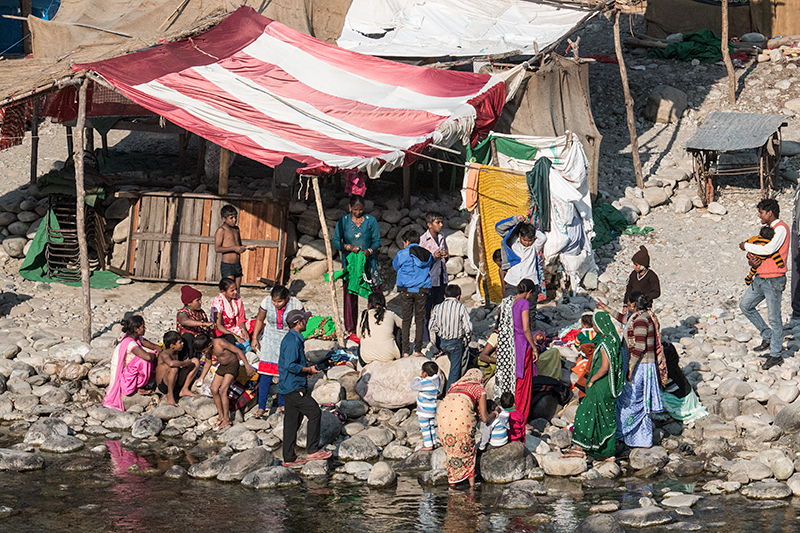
(462, 513)
(111, 498)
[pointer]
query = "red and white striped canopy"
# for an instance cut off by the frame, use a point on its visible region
(266, 91)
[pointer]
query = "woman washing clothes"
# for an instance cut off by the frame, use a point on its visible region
(132, 363)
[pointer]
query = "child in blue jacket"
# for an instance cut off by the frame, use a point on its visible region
(413, 264)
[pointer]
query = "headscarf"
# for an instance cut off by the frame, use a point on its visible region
(541, 346)
(471, 384)
(611, 345)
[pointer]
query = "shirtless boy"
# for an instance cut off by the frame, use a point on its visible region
(228, 242)
(229, 357)
(173, 374)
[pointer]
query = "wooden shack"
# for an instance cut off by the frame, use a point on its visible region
(171, 237)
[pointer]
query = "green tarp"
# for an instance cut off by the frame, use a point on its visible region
(609, 223)
(482, 153)
(34, 267)
(702, 45)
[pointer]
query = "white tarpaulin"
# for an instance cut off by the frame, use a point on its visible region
(432, 28)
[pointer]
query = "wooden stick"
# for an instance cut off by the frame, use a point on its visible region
(25, 9)
(623, 74)
(35, 141)
(81, 214)
(329, 254)
(726, 55)
(224, 167)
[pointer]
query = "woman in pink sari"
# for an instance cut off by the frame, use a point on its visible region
(132, 363)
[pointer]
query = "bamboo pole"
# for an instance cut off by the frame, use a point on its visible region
(726, 55)
(337, 319)
(81, 214)
(623, 74)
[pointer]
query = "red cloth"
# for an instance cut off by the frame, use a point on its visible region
(522, 398)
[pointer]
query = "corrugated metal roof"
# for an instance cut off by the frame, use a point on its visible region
(725, 132)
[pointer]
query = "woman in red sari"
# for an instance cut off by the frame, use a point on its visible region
(457, 417)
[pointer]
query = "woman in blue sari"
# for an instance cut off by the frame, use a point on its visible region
(357, 233)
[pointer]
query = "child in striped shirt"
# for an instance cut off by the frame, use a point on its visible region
(496, 434)
(428, 384)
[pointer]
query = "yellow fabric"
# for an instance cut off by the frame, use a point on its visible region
(501, 194)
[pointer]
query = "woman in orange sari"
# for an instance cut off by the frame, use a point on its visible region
(457, 417)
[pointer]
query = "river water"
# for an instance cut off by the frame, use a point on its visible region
(108, 498)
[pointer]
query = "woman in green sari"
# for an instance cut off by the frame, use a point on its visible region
(595, 425)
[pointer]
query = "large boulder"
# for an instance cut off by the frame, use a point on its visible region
(665, 104)
(357, 448)
(271, 477)
(512, 498)
(69, 352)
(61, 444)
(641, 458)
(199, 407)
(15, 246)
(419, 460)
(147, 426)
(788, 418)
(386, 384)
(554, 464)
(734, 388)
(505, 464)
(330, 427)
(210, 468)
(45, 428)
(328, 391)
(767, 490)
(19, 461)
(382, 475)
(643, 517)
(600, 523)
(245, 462)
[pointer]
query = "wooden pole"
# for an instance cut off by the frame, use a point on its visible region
(81, 214)
(726, 55)
(201, 159)
(337, 319)
(25, 9)
(407, 186)
(224, 164)
(623, 74)
(35, 140)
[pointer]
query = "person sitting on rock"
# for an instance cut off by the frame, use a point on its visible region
(229, 357)
(428, 384)
(192, 320)
(377, 331)
(764, 236)
(173, 375)
(131, 364)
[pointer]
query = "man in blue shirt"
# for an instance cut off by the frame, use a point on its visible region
(293, 385)
(413, 265)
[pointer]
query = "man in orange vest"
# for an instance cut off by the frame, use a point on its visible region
(768, 283)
